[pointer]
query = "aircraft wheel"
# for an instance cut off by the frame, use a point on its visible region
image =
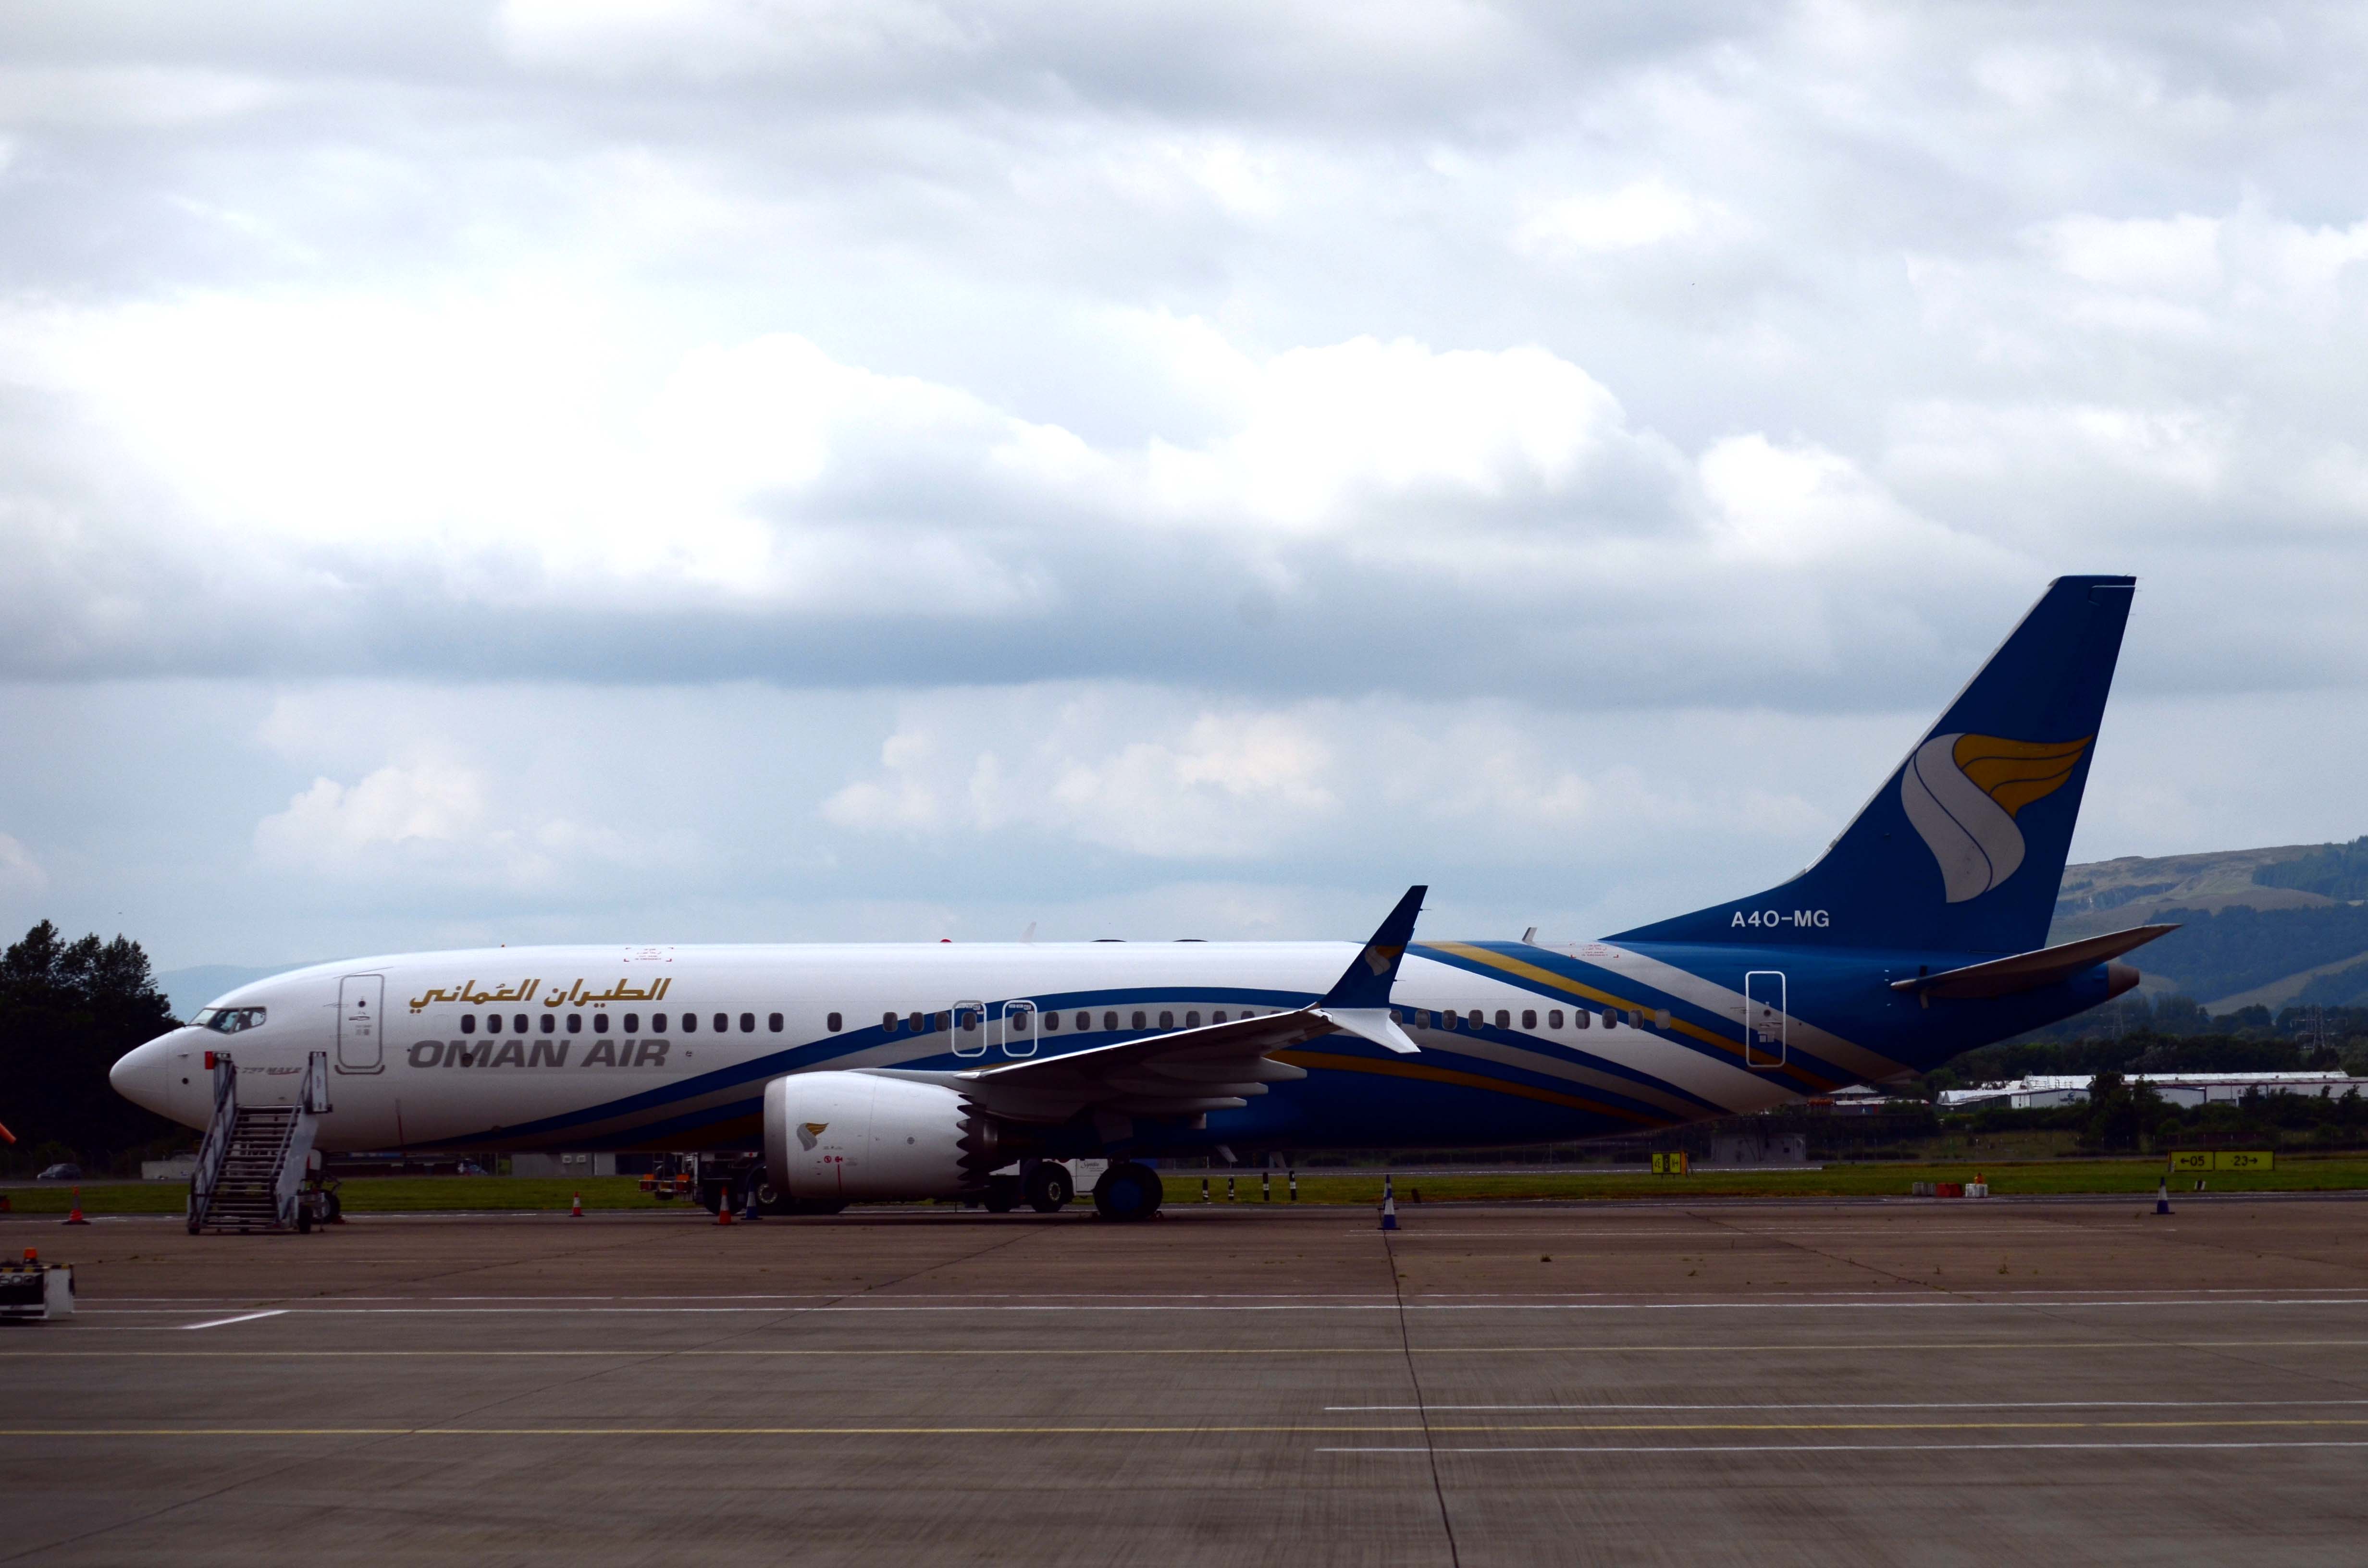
(1128, 1191)
(1002, 1195)
(1049, 1188)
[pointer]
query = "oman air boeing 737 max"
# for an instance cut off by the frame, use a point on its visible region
(814, 1076)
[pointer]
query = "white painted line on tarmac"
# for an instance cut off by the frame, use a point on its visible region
(1845, 1448)
(1954, 1405)
(243, 1317)
(1934, 1303)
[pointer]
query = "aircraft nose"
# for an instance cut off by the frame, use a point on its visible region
(143, 1076)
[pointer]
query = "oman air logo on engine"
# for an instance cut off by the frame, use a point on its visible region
(1963, 793)
(810, 1133)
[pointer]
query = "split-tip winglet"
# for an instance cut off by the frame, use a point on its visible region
(1359, 1002)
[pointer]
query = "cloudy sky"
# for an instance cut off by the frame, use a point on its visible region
(789, 469)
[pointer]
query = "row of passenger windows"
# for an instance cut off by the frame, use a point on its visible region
(1018, 1022)
(722, 1022)
(1422, 1018)
(1015, 1022)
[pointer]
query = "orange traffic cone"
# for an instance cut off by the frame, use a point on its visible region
(723, 1210)
(75, 1218)
(576, 1207)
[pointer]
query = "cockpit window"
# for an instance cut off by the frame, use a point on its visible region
(229, 1020)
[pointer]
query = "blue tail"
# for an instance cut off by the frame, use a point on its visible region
(1963, 848)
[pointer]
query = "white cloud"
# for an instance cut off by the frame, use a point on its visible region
(1021, 446)
(1646, 212)
(2177, 255)
(20, 874)
(330, 825)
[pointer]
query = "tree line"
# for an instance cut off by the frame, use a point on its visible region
(68, 1010)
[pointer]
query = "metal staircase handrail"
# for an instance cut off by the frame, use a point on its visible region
(215, 1150)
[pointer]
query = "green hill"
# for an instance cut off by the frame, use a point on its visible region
(2271, 925)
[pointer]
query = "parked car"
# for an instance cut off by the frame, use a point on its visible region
(61, 1173)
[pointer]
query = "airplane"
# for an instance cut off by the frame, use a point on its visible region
(814, 1075)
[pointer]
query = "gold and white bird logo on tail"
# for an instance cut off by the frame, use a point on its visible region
(1963, 793)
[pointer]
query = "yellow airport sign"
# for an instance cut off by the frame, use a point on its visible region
(2223, 1160)
(1670, 1165)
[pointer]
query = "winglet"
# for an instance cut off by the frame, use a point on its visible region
(1367, 980)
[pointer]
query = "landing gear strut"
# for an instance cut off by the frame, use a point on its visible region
(1128, 1191)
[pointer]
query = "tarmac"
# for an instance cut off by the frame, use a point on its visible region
(1765, 1382)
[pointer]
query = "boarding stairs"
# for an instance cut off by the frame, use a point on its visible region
(250, 1174)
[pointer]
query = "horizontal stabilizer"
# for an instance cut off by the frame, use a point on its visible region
(2029, 972)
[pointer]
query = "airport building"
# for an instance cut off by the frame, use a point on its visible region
(2039, 1092)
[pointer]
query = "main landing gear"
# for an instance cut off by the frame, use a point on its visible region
(1128, 1191)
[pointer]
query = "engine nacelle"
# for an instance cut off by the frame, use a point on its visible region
(854, 1135)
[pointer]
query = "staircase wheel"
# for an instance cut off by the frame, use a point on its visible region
(1049, 1188)
(336, 1207)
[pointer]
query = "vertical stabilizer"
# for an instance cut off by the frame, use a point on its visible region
(1963, 848)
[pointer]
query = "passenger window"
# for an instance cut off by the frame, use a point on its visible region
(1166, 1020)
(550, 1023)
(888, 1023)
(918, 1023)
(468, 1023)
(1192, 1021)
(1503, 1019)
(690, 1023)
(657, 1023)
(1020, 1022)
(747, 1023)
(772, 1023)
(574, 1023)
(1553, 1018)
(945, 1020)
(1476, 1017)
(1610, 1019)
(1138, 1021)
(1051, 1022)
(723, 1022)
(1085, 1022)
(632, 1023)
(1580, 1017)
(599, 1023)
(1529, 1019)
(1218, 1017)
(518, 1024)
(834, 1022)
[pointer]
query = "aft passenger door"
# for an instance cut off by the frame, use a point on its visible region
(1763, 1019)
(361, 1042)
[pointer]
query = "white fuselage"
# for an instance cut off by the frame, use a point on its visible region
(665, 1047)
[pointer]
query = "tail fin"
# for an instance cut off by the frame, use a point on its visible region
(1963, 848)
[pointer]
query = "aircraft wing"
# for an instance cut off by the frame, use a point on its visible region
(1191, 1071)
